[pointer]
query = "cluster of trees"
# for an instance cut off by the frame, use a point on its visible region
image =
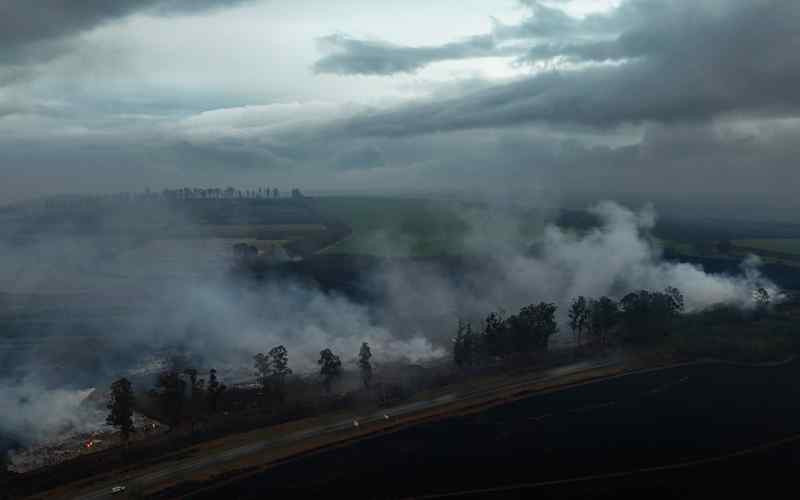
(227, 193)
(526, 332)
(184, 193)
(638, 317)
(271, 371)
(330, 366)
(179, 393)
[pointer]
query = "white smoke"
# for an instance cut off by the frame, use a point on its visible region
(229, 324)
(33, 413)
(621, 256)
(223, 323)
(617, 257)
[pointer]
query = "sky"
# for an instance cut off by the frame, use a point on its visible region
(683, 102)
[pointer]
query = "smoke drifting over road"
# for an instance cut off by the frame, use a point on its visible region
(132, 317)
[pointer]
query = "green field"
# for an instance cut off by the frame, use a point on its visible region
(393, 227)
(789, 246)
(402, 227)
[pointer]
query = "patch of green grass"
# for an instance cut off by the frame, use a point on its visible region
(385, 226)
(681, 247)
(396, 226)
(789, 246)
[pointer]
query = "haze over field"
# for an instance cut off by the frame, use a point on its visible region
(674, 106)
(130, 320)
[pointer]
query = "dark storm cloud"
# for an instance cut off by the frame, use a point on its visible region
(369, 57)
(30, 30)
(679, 61)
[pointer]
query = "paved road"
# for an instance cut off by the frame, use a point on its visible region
(181, 468)
(628, 429)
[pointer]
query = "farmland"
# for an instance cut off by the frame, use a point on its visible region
(779, 249)
(416, 227)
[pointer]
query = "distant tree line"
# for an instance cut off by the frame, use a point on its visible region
(227, 193)
(182, 193)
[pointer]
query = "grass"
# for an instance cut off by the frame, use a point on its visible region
(790, 246)
(252, 231)
(392, 227)
(415, 227)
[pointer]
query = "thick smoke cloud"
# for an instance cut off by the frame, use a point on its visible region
(613, 259)
(33, 413)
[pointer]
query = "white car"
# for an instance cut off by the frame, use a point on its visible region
(117, 489)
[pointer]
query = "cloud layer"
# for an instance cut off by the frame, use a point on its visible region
(645, 97)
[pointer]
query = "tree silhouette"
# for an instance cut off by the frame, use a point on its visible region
(196, 389)
(214, 390)
(578, 317)
(261, 365)
(170, 392)
(364, 364)
(120, 408)
(459, 345)
(330, 368)
(279, 370)
(647, 315)
(761, 296)
(604, 314)
(494, 334)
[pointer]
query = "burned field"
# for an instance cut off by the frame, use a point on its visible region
(598, 439)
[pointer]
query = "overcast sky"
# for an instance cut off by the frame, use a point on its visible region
(679, 99)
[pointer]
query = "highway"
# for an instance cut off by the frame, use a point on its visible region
(179, 469)
(676, 431)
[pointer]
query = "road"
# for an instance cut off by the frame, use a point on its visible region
(710, 428)
(180, 469)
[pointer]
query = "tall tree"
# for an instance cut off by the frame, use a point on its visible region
(459, 341)
(170, 391)
(195, 406)
(214, 391)
(364, 364)
(279, 370)
(494, 334)
(330, 368)
(262, 367)
(578, 316)
(120, 408)
(603, 316)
